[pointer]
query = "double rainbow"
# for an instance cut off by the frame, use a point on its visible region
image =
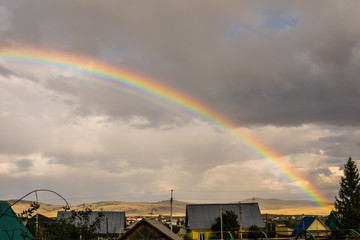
(113, 77)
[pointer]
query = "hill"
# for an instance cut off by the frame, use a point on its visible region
(131, 208)
(270, 206)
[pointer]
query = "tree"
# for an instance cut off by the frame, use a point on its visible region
(253, 231)
(60, 229)
(27, 214)
(348, 203)
(78, 226)
(229, 220)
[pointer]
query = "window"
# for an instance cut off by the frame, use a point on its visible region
(202, 236)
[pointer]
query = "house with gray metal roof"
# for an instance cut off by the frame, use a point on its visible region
(112, 222)
(200, 217)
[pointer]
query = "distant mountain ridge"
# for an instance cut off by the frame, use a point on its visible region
(274, 203)
(271, 206)
(289, 207)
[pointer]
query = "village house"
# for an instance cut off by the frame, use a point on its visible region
(112, 223)
(149, 229)
(40, 220)
(313, 225)
(200, 217)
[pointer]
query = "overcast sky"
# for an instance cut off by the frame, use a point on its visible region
(284, 71)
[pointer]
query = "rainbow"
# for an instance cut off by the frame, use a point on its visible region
(104, 74)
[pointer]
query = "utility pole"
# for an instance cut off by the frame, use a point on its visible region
(107, 227)
(221, 223)
(171, 202)
(37, 216)
(240, 215)
(267, 225)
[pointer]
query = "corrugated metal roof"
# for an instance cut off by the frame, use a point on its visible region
(112, 222)
(10, 226)
(163, 229)
(160, 227)
(202, 216)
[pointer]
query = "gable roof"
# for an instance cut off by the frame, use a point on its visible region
(307, 222)
(202, 216)
(112, 222)
(156, 225)
(304, 224)
(332, 221)
(10, 226)
(42, 220)
(161, 227)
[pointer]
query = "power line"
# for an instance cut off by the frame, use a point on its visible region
(106, 196)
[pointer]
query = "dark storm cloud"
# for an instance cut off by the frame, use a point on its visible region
(288, 67)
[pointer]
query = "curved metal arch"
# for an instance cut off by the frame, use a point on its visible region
(230, 235)
(353, 231)
(305, 231)
(35, 191)
(261, 234)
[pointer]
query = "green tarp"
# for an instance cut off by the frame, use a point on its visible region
(10, 226)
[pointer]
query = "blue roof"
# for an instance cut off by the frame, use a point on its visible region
(10, 226)
(304, 224)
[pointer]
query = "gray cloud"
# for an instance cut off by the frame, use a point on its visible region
(24, 164)
(284, 72)
(342, 145)
(6, 72)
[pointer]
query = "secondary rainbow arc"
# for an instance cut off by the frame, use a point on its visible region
(90, 70)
